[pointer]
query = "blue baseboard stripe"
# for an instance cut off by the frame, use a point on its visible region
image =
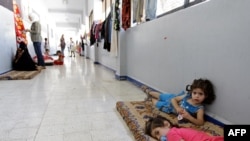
(210, 119)
(5, 72)
(120, 77)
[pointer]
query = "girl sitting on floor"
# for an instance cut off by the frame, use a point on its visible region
(188, 107)
(59, 61)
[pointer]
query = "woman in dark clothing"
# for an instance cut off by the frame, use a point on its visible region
(23, 60)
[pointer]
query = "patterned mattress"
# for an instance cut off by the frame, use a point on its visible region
(136, 113)
(18, 75)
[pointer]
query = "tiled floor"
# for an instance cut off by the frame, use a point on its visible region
(73, 102)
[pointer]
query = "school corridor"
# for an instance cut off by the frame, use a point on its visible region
(73, 102)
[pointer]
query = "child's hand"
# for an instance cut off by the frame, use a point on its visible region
(185, 114)
(180, 110)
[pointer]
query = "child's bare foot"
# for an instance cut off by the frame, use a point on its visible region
(146, 90)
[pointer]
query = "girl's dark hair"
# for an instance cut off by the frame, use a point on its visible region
(206, 86)
(153, 123)
(58, 51)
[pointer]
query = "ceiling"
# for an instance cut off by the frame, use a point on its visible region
(68, 14)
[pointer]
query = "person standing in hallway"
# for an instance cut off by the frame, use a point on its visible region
(36, 38)
(62, 44)
(82, 45)
(46, 45)
(72, 47)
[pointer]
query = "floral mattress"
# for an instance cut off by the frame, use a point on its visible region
(136, 113)
(19, 75)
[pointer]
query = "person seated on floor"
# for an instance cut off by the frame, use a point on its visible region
(163, 130)
(48, 60)
(23, 60)
(59, 61)
(46, 52)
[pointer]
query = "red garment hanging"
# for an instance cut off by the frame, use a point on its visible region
(19, 26)
(126, 14)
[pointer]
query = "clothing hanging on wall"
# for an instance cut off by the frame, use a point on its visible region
(92, 34)
(103, 29)
(151, 6)
(138, 10)
(19, 26)
(98, 29)
(95, 32)
(114, 31)
(107, 32)
(126, 14)
(116, 16)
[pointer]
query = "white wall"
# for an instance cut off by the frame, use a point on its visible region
(106, 58)
(7, 39)
(53, 42)
(210, 40)
(90, 4)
